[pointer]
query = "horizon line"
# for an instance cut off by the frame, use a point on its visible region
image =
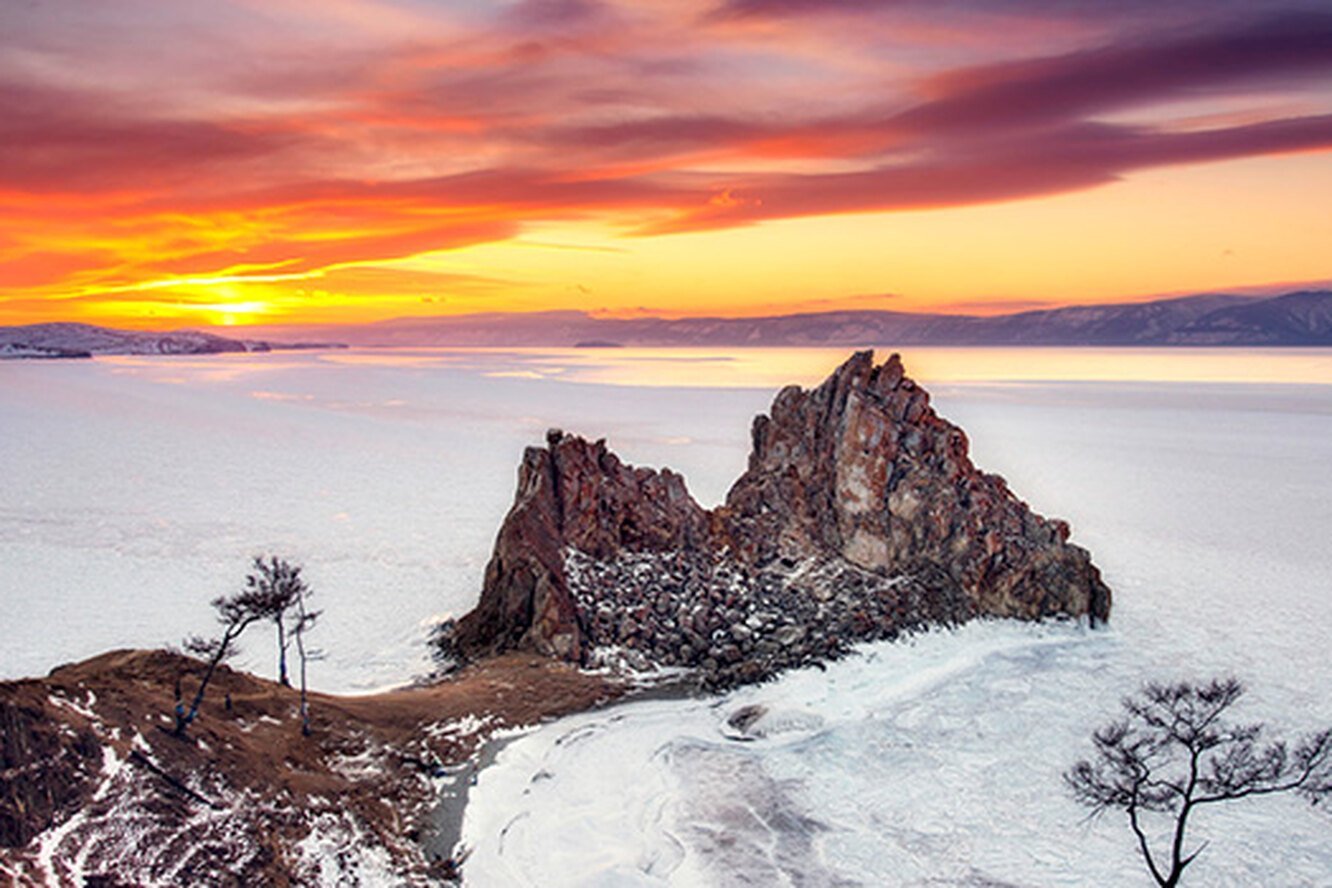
(1252, 291)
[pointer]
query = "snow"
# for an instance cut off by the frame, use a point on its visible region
(631, 666)
(337, 852)
(909, 764)
(136, 489)
(112, 765)
(49, 844)
(364, 764)
(72, 706)
(54, 858)
(456, 730)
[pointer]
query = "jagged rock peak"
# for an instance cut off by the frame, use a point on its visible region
(860, 515)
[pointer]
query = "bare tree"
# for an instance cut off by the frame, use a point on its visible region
(278, 585)
(235, 612)
(303, 622)
(1174, 752)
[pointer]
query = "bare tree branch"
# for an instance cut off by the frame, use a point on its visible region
(275, 585)
(1175, 752)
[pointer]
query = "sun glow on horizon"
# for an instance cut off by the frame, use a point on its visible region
(760, 158)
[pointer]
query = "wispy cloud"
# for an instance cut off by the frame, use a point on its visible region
(307, 135)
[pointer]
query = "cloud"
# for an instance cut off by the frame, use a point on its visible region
(1040, 91)
(22, 269)
(1074, 157)
(67, 140)
(557, 15)
(326, 143)
(750, 9)
(1093, 10)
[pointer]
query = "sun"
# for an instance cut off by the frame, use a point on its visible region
(231, 314)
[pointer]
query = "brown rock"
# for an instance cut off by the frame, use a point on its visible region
(864, 468)
(860, 509)
(572, 494)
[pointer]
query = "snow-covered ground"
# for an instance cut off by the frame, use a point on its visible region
(135, 489)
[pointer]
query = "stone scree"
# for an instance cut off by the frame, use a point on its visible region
(859, 517)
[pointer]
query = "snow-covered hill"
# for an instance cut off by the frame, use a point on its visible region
(69, 340)
(81, 340)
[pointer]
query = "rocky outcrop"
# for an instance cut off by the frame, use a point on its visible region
(862, 468)
(860, 515)
(573, 497)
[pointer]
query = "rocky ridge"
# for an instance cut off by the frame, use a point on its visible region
(860, 516)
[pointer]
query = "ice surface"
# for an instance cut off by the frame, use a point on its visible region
(936, 762)
(134, 489)
(1207, 506)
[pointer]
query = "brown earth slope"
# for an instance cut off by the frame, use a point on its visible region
(95, 790)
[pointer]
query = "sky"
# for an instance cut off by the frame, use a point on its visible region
(230, 162)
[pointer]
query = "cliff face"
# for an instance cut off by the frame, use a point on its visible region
(860, 515)
(862, 468)
(577, 496)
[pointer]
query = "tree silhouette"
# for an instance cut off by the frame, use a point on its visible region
(235, 612)
(302, 622)
(274, 590)
(277, 585)
(1174, 752)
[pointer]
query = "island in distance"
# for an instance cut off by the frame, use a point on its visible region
(70, 340)
(860, 517)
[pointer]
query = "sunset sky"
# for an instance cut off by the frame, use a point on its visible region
(168, 163)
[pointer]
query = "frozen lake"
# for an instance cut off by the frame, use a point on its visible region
(135, 489)
(1206, 504)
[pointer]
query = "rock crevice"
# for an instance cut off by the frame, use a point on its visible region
(860, 515)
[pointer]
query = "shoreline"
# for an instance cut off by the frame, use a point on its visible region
(441, 839)
(355, 795)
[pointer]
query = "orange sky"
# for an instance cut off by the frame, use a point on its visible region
(293, 161)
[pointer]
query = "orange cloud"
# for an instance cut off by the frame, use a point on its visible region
(298, 141)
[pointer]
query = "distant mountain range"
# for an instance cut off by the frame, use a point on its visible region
(1302, 318)
(67, 340)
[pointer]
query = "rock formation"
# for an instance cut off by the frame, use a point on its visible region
(860, 516)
